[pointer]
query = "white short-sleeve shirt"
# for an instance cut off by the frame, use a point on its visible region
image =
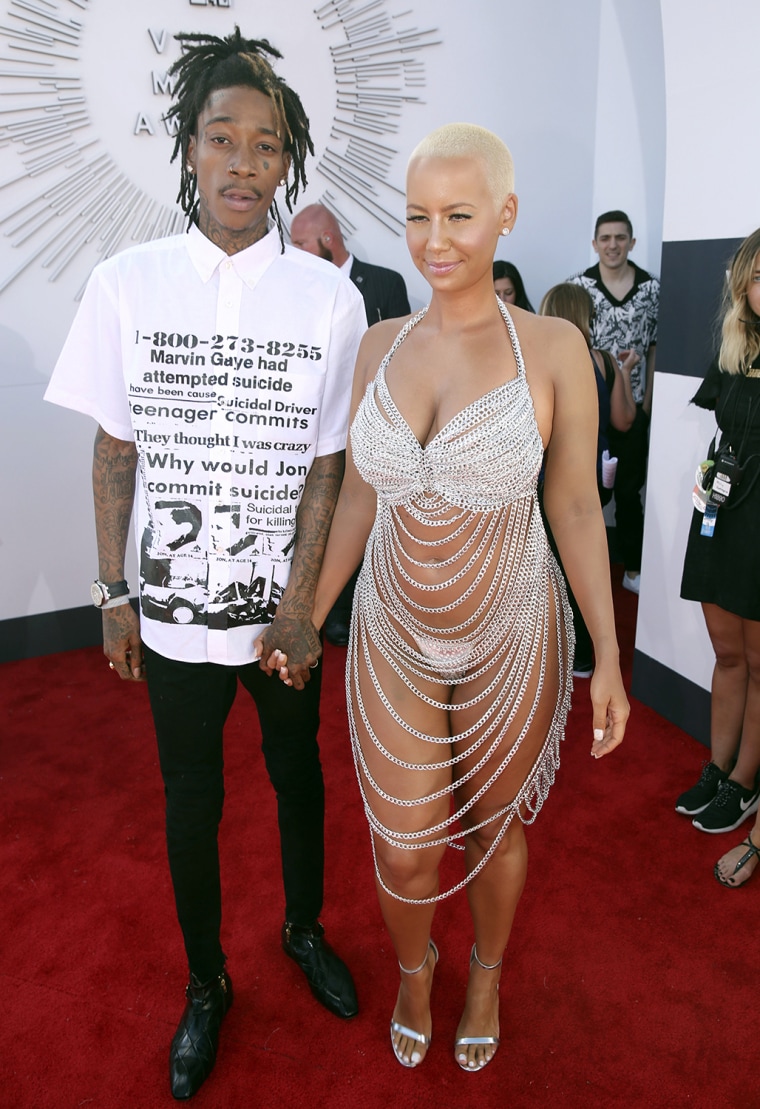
(230, 374)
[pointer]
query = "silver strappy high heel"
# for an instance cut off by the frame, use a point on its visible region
(470, 1041)
(401, 1029)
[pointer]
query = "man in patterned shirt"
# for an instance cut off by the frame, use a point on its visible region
(626, 301)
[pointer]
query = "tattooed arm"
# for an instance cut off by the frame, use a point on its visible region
(114, 466)
(292, 631)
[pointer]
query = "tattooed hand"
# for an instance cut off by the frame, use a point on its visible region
(114, 466)
(121, 642)
(292, 633)
(291, 639)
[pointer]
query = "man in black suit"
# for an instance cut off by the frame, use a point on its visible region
(316, 230)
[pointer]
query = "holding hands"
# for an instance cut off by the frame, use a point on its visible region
(299, 649)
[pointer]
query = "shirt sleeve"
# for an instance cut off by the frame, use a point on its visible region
(349, 322)
(88, 376)
(655, 310)
(708, 392)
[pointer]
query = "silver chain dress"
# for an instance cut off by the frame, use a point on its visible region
(488, 621)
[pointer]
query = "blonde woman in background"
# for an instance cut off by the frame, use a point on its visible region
(722, 572)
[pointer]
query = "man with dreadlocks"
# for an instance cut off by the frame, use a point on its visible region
(218, 365)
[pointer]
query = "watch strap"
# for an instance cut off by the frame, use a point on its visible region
(115, 601)
(116, 588)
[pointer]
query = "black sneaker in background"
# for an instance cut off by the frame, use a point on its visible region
(582, 667)
(696, 799)
(731, 805)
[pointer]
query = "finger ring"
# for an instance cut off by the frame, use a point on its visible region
(111, 666)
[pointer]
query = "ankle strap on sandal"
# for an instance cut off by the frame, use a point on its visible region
(422, 965)
(484, 966)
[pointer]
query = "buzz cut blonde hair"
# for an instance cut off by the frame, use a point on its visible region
(467, 140)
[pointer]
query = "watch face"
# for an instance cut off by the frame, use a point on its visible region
(97, 595)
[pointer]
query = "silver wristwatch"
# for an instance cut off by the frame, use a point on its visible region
(108, 594)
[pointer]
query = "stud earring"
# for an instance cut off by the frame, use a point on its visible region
(284, 181)
(505, 230)
(189, 169)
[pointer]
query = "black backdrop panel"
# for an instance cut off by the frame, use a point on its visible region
(693, 275)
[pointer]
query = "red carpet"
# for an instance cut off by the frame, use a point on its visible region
(631, 978)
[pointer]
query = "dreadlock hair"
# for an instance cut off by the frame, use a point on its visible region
(209, 63)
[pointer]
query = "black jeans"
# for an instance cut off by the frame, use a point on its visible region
(631, 448)
(190, 704)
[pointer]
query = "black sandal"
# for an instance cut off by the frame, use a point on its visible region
(752, 850)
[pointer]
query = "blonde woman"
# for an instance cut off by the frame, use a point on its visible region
(722, 572)
(461, 642)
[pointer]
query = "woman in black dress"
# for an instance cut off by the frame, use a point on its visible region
(722, 571)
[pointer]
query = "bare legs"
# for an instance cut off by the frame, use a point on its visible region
(735, 713)
(735, 721)
(417, 741)
(493, 896)
(409, 926)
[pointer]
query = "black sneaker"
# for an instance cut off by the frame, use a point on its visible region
(582, 667)
(731, 805)
(697, 798)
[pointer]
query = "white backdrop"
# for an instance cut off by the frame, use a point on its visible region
(577, 90)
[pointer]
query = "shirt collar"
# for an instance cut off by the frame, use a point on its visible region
(249, 264)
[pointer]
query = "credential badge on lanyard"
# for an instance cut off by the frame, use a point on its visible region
(708, 521)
